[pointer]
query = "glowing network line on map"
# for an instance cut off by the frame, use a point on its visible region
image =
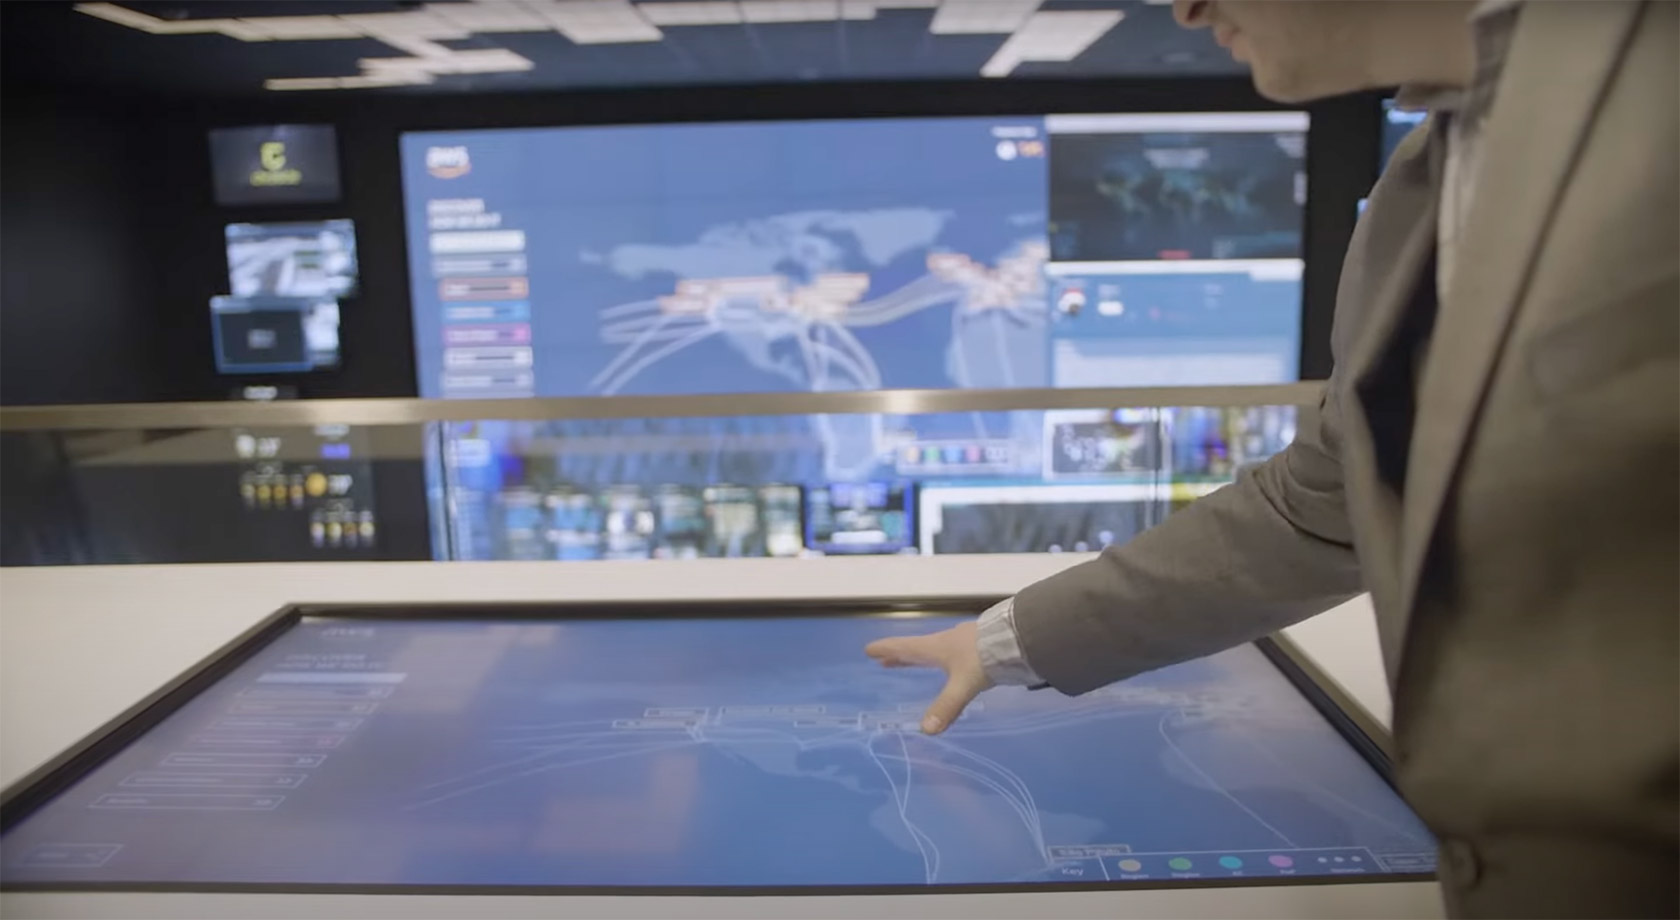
(1317, 790)
(547, 747)
(544, 748)
(890, 741)
(755, 312)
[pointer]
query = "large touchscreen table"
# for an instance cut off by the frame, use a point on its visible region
(754, 752)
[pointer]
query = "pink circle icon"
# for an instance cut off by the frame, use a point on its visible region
(1282, 862)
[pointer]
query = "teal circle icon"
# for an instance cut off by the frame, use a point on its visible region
(1230, 862)
(1179, 863)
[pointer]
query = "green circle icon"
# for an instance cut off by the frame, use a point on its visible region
(1179, 863)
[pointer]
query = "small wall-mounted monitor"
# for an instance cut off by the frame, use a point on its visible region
(274, 335)
(275, 164)
(314, 259)
(983, 517)
(856, 518)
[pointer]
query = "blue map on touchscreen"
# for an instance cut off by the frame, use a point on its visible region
(710, 752)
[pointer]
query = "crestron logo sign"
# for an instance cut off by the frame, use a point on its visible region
(272, 157)
(448, 162)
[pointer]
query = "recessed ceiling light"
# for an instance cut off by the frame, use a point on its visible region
(1056, 35)
(789, 10)
(981, 17)
(596, 22)
(297, 83)
(295, 28)
(362, 81)
(490, 16)
(134, 19)
(866, 9)
(121, 15)
(409, 24)
(1034, 35)
(704, 13)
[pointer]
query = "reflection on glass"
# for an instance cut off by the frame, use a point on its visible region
(246, 494)
(773, 486)
(1073, 480)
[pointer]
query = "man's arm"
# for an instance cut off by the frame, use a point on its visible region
(1270, 550)
(1267, 551)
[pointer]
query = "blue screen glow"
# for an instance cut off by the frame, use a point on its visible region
(857, 255)
(724, 752)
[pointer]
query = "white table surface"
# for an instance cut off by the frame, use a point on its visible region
(80, 645)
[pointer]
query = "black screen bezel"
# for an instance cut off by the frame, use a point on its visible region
(38, 788)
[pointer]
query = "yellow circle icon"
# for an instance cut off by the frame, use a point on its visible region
(315, 485)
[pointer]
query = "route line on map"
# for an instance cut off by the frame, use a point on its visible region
(1315, 788)
(1030, 820)
(544, 769)
(930, 861)
(1161, 728)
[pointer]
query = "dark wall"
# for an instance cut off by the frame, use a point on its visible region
(115, 195)
(76, 274)
(1342, 165)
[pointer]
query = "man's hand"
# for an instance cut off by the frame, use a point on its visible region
(954, 651)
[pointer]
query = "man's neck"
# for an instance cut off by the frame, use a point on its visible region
(1425, 43)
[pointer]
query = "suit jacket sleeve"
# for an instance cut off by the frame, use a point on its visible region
(1272, 549)
(1267, 551)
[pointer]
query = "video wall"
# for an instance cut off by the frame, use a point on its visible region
(1049, 251)
(1093, 250)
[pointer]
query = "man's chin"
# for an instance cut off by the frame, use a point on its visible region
(1287, 88)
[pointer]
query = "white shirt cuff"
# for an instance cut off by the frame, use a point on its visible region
(1000, 647)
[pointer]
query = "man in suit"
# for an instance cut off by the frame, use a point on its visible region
(1495, 459)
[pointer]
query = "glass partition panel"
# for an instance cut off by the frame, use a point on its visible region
(235, 494)
(976, 482)
(682, 477)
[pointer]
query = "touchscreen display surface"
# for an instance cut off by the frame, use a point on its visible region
(710, 752)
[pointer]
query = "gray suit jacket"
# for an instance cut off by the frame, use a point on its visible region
(1527, 576)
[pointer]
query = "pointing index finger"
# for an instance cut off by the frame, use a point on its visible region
(899, 651)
